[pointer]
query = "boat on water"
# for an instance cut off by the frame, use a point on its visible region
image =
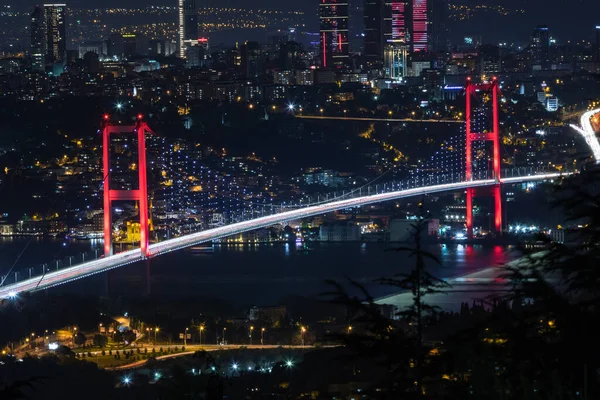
(202, 249)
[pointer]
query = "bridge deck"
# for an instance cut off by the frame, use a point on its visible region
(118, 260)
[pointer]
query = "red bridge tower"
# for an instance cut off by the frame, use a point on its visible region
(141, 194)
(494, 137)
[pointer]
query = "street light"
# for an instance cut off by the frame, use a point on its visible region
(349, 329)
(223, 338)
(201, 329)
(250, 334)
(302, 332)
(155, 332)
(185, 336)
(262, 336)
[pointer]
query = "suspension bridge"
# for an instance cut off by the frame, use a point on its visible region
(470, 179)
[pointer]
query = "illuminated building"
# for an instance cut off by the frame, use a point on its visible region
(127, 45)
(540, 47)
(99, 48)
(397, 37)
(305, 77)
(396, 22)
(386, 23)
(333, 15)
(419, 34)
(188, 24)
(490, 62)
(38, 33)
(56, 37)
(394, 60)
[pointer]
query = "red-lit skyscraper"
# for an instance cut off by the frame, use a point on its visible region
(419, 26)
(333, 15)
(396, 22)
(386, 23)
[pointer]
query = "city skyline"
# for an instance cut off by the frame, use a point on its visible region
(535, 13)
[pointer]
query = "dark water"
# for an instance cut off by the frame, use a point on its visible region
(258, 274)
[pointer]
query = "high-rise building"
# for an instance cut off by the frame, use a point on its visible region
(252, 60)
(419, 33)
(38, 39)
(489, 60)
(396, 22)
(597, 45)
(333, 16)
(437, 25)
(56, 32)
(356, 26)
(386, 23)
(540, 47)
(374, 13)
(188, 24)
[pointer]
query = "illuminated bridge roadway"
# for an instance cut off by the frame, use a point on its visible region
(83, 270)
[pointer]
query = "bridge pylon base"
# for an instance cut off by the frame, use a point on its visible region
(495, 192)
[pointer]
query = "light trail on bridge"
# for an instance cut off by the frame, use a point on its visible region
(441, 121)
(80, 271)
(587, 131)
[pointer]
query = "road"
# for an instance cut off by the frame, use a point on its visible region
(587, 131)
(441, 121)
(132, 256)
(194, 349)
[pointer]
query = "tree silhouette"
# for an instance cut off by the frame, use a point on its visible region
(399, 348)
(421, 283)
(554, 343)
(100, 340)
(79, 338)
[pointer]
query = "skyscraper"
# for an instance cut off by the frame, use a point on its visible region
(56, 32)
(397, 16)
(386, 22)
(397, 36)
(437, 25)
(188, 24)
(333, 16)
(38, 39)
(540, 47)
(356, 26)
(419, 33)
(374, 28)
